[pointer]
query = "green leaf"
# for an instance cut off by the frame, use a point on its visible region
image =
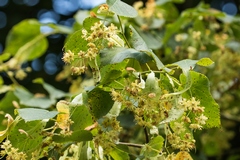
(154, 147)
(200, 90)
(136, 40)
(187, 64)
(27, 137)
(6, 106)
(100, 102)
(89, 22)
(75, 43)
(118, 154)
(53, 92)
(158, 62)
(10, 125)
(25, 41)
(4, 56)
(28, 99)
(153, 39)
(151, 85)
(173, 115)
(111, 72)
(205, 62)
(121, 8)
(32, 114)
(173, 28)
(161, 2)
(76, 136)
(117, 55)
(81, 117)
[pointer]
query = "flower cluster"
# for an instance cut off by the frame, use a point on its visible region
(193, 106)
(97, 37)
(11, 152)
(147, 12)
(108, 134)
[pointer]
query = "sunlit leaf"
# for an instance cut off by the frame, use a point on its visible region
(121, 8)
(118, 154)
(75, 42)
(154, 147)
(63, 115)
(200, 90)
(187, 64)
(26, 45)
(6, 106)
(27, 137)
(32, 114)
(10, 124)
(89, 22)
(111, 72)
(81, 116)
(205, 62)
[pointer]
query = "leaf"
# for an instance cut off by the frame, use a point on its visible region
(6, 106)
(117, 55)
(32, 114)
(10, 124)
(76, 136)
(139, 44)
(81, 116)
(89, 22)
(154, 147)
(118, 154)
(75, 43)
(187, 64)
(161, 2)
(53, 92)
(27, 137)
(121, 8)
(158, 62)
(28, 99)
(111, 72)
(205, 62)
(153, 39)
(63, 115)
(136, 40)
(100, 102)
(173, 115)
(151, 85)
(25, 41)
(200, 89)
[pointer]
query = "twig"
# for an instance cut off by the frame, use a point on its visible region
(120, 22)
(132, 144)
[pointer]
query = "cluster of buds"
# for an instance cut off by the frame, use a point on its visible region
(11, 152)
(193, 106)
(108, 134)
(98, 37)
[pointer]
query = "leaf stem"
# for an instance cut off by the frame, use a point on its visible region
(125, 39)
(132, 144)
